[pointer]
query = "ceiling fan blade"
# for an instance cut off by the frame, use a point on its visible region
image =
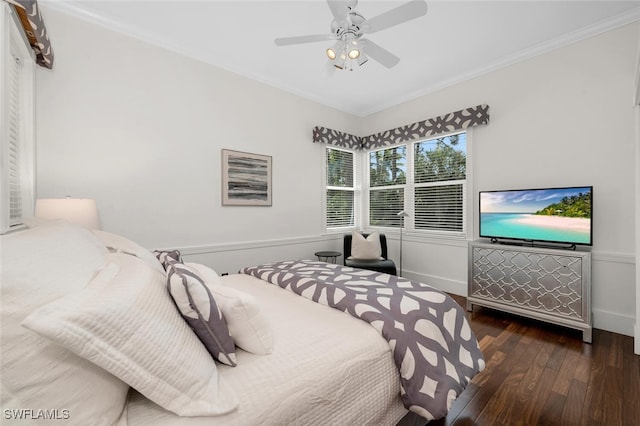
(340, 11)
(380, 54)
(406, 12)
(285, 41)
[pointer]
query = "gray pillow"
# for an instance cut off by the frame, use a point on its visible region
(168, 255)
(200, 310)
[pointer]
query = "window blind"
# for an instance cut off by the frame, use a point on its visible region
(17, 129)
(384, 204)
(13, 101)
(339, 168)
(440, 166)
(439, 208)
(340, 207)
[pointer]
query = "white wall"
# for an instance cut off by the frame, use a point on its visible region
(636, 103)
(560, 119)
(140, 129)
(637, 327)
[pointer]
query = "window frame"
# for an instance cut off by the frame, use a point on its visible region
(356, 189)
(410, 186)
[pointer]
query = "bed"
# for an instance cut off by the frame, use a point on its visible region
(92, 333)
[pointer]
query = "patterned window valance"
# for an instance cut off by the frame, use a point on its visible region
(33, 25)
(336, 138)
(458, 120)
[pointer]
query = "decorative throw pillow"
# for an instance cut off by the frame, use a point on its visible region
(168, 255)
(125, 322)
(248, 325)
(208, 275)
(199, 309)
(365, 248)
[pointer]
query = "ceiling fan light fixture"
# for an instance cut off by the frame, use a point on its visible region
(362, 59)
(348, 27)
(341, 60)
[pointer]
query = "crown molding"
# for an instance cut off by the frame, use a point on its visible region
(83, 14)
(537, 50)
(628, 17)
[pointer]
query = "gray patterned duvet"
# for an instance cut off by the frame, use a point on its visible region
(433, 346)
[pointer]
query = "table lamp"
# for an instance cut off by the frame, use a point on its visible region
(80, 211)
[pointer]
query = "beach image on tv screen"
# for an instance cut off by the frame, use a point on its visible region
(559, 215)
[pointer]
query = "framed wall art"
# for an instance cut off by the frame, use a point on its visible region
(246, 179)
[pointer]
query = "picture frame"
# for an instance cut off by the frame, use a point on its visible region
(246, 179)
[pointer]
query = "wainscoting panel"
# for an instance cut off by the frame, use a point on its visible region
(231, 257)
(443, 266)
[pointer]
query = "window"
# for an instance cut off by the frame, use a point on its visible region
(340, 188)
(17, 119)
(440, 175)
(387, 179)
(426, 178)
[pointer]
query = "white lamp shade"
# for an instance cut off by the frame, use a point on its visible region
(80, 211)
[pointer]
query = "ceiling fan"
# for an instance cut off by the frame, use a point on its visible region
(348, 27)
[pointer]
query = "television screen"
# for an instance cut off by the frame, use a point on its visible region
(557, 215)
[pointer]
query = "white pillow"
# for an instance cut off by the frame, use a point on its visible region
(120, 244)
(38, 266)
(247, 324)
(365, 248)
(207, 274)
(125, 322)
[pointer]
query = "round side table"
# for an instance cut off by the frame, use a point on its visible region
(328, 256)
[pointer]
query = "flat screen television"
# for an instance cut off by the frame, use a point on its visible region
(561, 216)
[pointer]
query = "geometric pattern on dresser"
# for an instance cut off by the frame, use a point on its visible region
(544, 282)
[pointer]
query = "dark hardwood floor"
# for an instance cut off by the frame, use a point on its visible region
(540, 374)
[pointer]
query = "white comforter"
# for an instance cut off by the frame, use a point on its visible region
(339, 363)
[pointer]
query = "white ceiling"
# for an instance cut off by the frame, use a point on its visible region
(455, 41)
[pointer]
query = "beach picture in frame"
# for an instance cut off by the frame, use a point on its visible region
(246, 179)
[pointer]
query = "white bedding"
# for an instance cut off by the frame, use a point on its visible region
(339, 363)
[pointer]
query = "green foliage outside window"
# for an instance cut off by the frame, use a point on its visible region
(388, 167)
(339, 168)
(439, 169)
(441, 159)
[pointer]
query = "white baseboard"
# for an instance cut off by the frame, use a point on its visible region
(614, 322)
(444, 284)
(602, 320)
(636, 345)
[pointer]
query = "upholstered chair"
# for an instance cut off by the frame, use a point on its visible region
(385, 264)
